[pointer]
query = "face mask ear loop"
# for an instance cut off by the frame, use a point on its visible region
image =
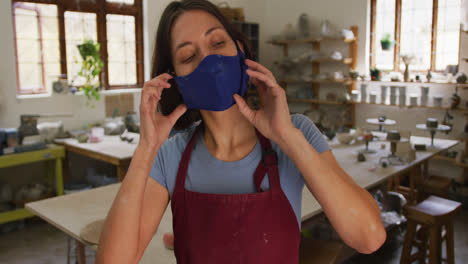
(239, 54)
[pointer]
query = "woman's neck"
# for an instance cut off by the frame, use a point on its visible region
(228, 135)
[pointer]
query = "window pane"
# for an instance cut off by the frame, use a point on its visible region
(448, 36)
(384, 24)
(128, 2)
(416, 27)
(121, 44)
(79, 27)
(30, 21)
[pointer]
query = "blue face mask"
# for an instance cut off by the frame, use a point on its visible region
(213, 83)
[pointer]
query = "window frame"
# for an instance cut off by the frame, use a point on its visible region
(33, 90)
(101, 8)
(396, 55)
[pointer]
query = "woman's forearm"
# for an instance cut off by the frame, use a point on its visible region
(119, 239)
(351, 210)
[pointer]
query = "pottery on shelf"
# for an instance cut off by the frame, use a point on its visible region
(354, 95)
(303, 25)
(461, 77)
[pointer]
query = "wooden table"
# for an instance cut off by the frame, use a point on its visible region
(70, 213)
(111, 150)
(51, 153)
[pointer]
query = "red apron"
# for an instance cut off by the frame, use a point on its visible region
(255, 228)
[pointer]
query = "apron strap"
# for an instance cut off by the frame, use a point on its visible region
(184, 162)
(269, 163)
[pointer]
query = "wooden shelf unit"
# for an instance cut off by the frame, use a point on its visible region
(315, 101)
(416, 106)
(350, 61)
(343, 82)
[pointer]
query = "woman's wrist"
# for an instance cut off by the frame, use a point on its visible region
(290, 139)
(147, 151)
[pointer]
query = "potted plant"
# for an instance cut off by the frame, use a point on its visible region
(91, 67)
(375, 74)
(386, 42)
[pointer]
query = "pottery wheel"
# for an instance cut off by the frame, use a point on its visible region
(92, 231)
(375, 121)
(438, 128)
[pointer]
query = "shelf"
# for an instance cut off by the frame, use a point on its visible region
(309, 41)
(344, 82)
(440, 157)
(416, 106)
(346, 61)
(390, 83)
(14, 215)
(315, 101)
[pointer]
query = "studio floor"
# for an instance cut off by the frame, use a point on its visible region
(41, 243)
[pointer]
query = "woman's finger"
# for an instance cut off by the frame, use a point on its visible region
(160, 80)
(260, 68)
(245, 109)
(149, 100)
(177, 113)
(263, 78)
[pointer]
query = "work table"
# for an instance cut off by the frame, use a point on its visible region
(70, 213)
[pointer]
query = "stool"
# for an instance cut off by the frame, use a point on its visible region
(428, 217)
(314, 251)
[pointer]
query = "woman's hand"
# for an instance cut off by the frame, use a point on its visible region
(155, 127)
(273, 119)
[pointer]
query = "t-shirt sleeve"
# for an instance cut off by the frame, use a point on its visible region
(311, 132)
(157, 170)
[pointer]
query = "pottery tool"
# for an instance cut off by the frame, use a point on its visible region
(394, 137)
(432, 125)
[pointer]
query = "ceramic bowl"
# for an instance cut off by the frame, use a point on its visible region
(344, 138)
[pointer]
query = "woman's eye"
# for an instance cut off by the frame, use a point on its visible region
(219, 43)
(188, 59)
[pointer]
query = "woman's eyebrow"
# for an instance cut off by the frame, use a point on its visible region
(183, 44)
(212, 29)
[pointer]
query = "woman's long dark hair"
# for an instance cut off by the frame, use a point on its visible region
(162, 57)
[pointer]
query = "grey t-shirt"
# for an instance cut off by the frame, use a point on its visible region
(206, 174)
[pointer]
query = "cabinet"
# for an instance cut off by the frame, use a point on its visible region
(51, 153)
(316, 85)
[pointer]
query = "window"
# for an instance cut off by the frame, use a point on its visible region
(37, 42)
(47, 33)
(428, 30)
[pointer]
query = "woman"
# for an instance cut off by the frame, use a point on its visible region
(235, 179)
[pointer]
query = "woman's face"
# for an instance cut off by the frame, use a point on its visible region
(195, 35)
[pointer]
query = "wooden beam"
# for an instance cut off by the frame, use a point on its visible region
(62, 40)
(139, 43)
(373, 47)
(435, 14)
(102, 40)
(396, 55)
